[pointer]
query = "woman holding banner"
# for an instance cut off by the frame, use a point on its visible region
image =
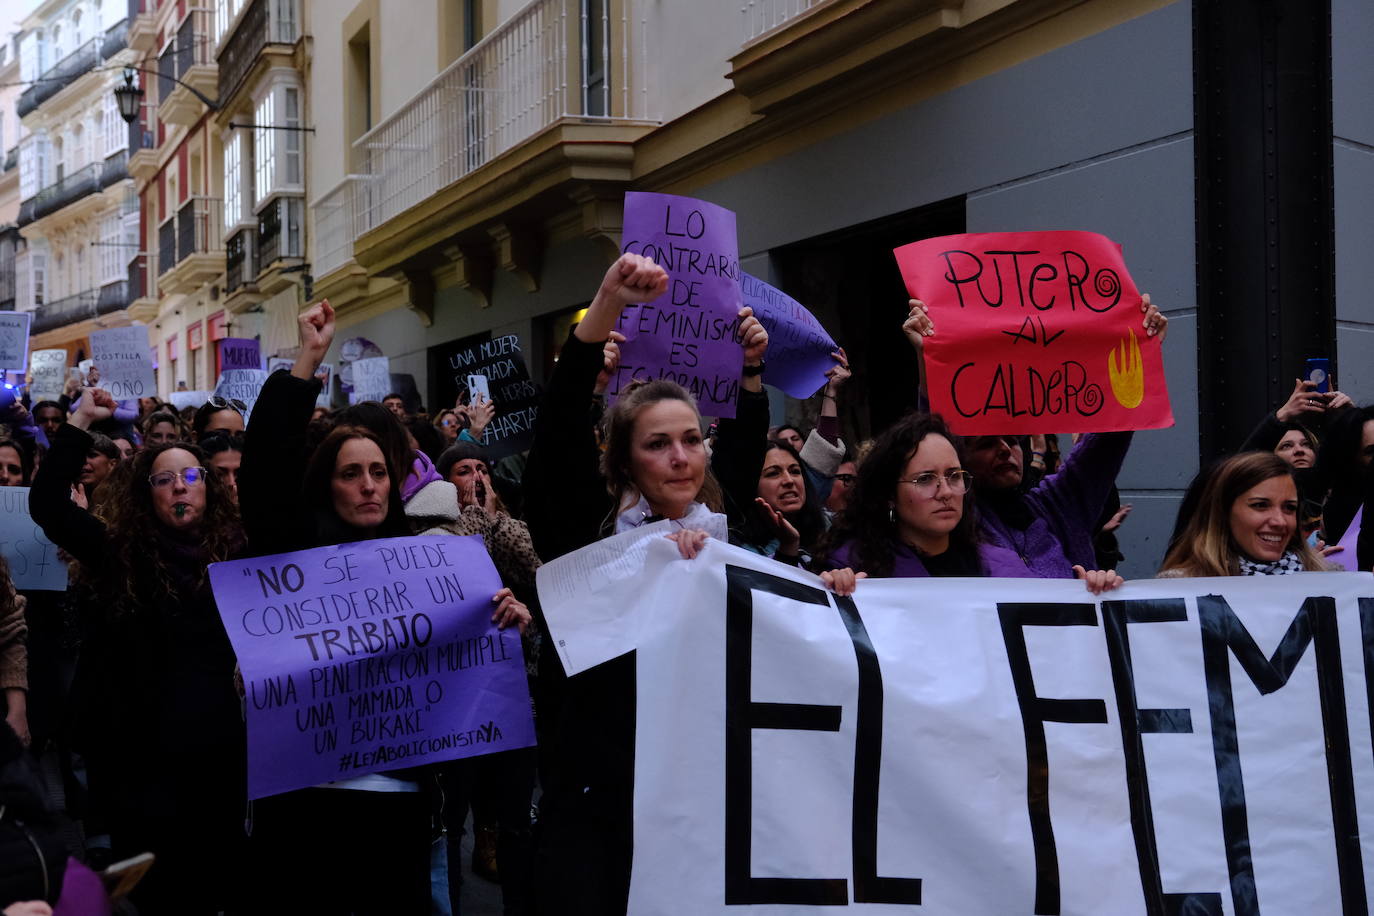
(654, 468)
(1244, 523)
(1051, 527)
(349, 489)
(160, 719)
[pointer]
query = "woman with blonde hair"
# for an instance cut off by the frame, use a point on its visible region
(1245, 523)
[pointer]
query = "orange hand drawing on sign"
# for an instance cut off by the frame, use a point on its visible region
(1127, 373)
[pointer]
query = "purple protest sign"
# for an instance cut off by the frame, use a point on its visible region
(689, 333)
(371, 656)
(799, 347)
(239, 353)
(1346, 558)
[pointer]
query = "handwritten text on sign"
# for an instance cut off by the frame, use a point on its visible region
(799, 347)
(1035, 331)
(239, 353)
(371, 656)
(33, 560)
(689, 333)
(514, 395)
(14, 340)
(121, 355)
(949, 747)
(48, 369)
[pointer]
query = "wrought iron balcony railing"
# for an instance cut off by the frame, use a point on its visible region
(261, 24)
(88, 304)
(241, 259)
(64, 72)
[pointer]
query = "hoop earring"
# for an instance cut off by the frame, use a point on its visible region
(892, 515)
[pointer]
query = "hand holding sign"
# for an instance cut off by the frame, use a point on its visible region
(753, 336)
(1037, 330)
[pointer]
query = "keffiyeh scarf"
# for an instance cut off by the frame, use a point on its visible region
(1289, 563)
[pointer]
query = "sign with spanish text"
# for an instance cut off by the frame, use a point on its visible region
(949, 747)
(501, 362)
(14, 340)
(33, 560)
(371, 656)
(48, 375)
(690, 333)
(121, 355)
(239, 353)
(371, 379)
(1035, 331)
(241, 385)
(799, 347)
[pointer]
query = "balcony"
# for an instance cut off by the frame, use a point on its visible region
(260, 25)
(143, 26)
(335, 227)
(241, 262)
(65, 72)
(69, 189)
(89, 304)
(763, 16)
(187, 59)
(142, 153)
(567, 90)
(280, 236)
(190, 246)
(66, 190)
(143, 301)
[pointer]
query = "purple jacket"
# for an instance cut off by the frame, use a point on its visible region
(997, 562)
(1066, 506)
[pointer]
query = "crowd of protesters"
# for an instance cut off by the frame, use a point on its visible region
(125, 685)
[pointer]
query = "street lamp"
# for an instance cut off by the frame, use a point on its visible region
(129, 97)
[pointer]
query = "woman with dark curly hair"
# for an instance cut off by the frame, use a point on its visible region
(910, 512)
(159, 716)
(910, 515)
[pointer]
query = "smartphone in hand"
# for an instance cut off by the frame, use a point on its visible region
(478, 384)
(1318, 370)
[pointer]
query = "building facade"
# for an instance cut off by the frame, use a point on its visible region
(471, 157)
(10, 239)
(221, 185)
(78, 215)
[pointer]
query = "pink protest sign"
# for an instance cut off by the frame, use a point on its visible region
(689, 333)
(1035, 331)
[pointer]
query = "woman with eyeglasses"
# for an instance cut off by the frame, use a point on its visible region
(910, 514)
(158, 713)
(907, 514)
(1051, 527)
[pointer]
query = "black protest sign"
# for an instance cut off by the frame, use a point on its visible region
(501, 361)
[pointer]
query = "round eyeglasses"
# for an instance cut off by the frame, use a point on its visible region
(928, 484)
(189, 476)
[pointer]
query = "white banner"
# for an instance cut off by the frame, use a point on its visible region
(961, 747)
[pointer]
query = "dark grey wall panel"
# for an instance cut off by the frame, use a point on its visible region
(1354, 185)
(1127, 86)
(1352, 69)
